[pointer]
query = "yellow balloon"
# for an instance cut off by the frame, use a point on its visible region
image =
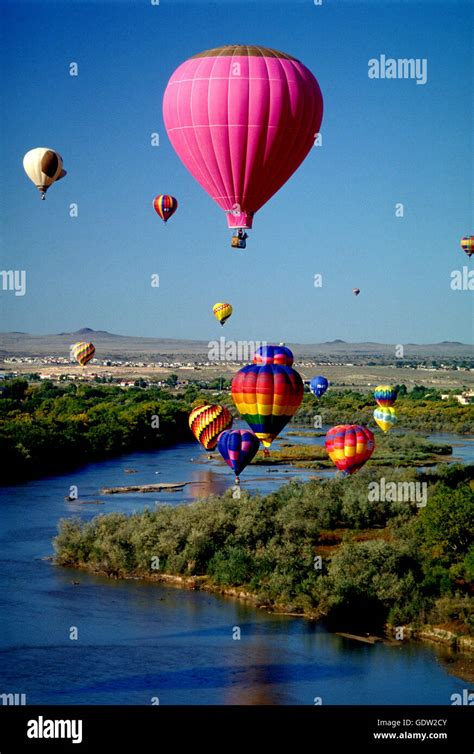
(222, 312)
(385, 417)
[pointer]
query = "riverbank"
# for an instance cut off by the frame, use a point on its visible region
(392, 635)
(323, 549)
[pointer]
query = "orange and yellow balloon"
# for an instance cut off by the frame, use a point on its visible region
(82, 352)
(222, 312)
(207, 422)
(349, 446)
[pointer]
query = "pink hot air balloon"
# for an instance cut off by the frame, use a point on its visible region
(242, 119)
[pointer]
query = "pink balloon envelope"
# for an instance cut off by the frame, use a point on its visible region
(242, 119)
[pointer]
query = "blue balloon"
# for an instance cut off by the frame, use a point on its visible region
(318, 386)
(237, 447)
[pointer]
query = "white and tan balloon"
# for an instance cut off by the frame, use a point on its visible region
(44, 167)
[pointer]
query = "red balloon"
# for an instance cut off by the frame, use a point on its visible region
(349, 446)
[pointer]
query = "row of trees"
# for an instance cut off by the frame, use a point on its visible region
(46, 427)
(320, 547)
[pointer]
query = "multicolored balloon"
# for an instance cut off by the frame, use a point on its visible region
(467, 245)
(385, 417)
(356, 291)
(273, 355)
(165, 205)
(82, 352)
(268, 393)
(385, 395)
(242, 119)
(207, 422)
(349, 446)
(222, 312)
(238, 447)
(43, 167)
(318, 386)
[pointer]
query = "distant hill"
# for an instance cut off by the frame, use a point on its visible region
(109, 345)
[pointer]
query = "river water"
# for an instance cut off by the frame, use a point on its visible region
(138, 642)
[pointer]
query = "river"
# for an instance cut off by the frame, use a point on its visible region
(138, 641)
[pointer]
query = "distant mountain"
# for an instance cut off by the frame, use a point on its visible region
(109, 345)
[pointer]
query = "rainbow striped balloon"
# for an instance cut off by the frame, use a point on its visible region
(165, 205)
(349, 446)
(207, 422)
(467, 245)
(385, 395)
(82, 352)
(268, 394)
(385, 417)
(238, 447)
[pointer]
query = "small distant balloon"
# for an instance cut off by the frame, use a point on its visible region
(467, 245)
(82, 352)
(43, 166)
(356, 291)
(165, 206)
(222, 312)
(318, 386)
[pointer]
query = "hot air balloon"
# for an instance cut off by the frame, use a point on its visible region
(268, 392)
(318, 386)
(238, 447)
(356, 291)
(165, 205)
(385, 395)
(43, 166)
(222, 312)
(467, 245)
(242, 119)
(349, 446)
(207, 422)
(82, 352)
(385, 417)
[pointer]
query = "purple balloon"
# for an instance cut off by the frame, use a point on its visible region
(238, 447)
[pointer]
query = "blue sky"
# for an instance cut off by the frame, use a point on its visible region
(384, 141)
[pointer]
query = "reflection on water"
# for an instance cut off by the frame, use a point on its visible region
(205, 482)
